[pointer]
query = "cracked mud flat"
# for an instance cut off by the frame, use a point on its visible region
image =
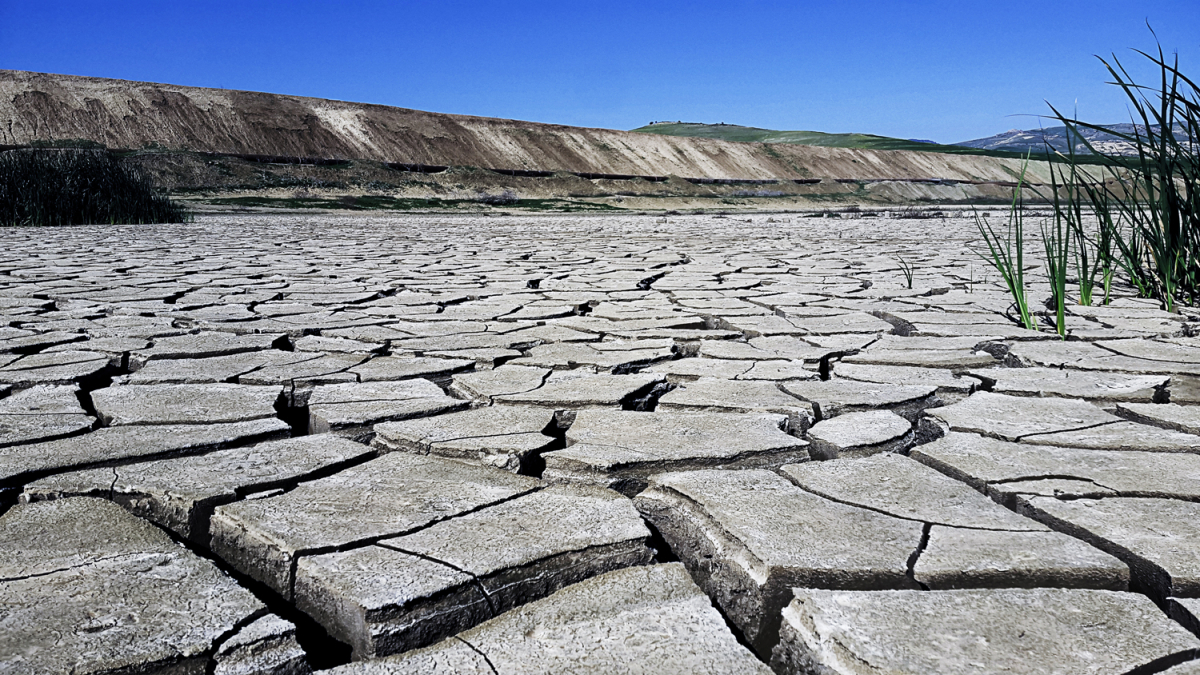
(276, 444)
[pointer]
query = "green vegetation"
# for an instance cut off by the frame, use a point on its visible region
(733, 132)
(47, 186)
(1056, 243)
(1139, 214)
(1149, 204)
(1093, 255)
(906, 269)
(376, 203)
(1007, 254)
(740, 134)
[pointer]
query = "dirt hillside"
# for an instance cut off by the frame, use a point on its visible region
(132, 115)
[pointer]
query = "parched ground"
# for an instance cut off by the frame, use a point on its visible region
(586, 444)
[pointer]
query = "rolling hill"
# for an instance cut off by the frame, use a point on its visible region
(733, 132)
(1057, 137)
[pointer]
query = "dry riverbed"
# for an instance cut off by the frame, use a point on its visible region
(582, 443)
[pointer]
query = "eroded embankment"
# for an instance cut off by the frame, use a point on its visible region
(131, 115)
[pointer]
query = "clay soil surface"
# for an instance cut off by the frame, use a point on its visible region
(591, 443)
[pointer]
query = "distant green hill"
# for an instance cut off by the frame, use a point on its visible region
(733, 132)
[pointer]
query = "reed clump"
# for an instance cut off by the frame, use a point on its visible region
(1127, 212)
(74, 186)
(1006, 252)
(1146, 200)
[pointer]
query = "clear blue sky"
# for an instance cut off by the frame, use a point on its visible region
(947, 71)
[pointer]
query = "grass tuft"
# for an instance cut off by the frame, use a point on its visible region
(1056, 242)
(906, 269)
(1007, 253)
(1148, 204)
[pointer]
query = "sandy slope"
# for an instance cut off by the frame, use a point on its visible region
(124, 114)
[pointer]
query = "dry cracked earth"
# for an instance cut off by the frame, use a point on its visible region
(435, 444)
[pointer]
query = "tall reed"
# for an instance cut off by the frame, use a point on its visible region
(1007, 253)
(906, 269)
(1056, 243)
(1148, 203)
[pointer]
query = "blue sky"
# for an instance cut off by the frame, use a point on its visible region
(946, 71)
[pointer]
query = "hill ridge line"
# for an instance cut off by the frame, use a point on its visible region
(131, 114)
